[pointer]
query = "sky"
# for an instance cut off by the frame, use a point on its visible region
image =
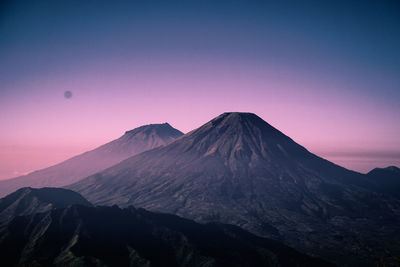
(326, 73)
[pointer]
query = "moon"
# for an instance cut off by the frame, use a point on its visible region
(67, 94)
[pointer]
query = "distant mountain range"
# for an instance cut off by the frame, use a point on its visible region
(55, 231)
(74, 169)
(238, 169)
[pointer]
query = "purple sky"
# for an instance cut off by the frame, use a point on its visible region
(326, 75)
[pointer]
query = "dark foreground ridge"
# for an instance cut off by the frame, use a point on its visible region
(110, 236)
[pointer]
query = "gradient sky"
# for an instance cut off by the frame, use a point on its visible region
(326, 73)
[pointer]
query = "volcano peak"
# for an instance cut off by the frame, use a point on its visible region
(160, 128)
(237, 131)
(237, 117)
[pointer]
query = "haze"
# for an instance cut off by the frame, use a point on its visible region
(326, 74)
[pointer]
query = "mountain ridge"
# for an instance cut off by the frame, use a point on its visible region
(73, 169)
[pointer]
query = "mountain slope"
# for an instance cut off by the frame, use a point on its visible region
(26, 201)
(239, 169)
(109, 236)
(131, 143)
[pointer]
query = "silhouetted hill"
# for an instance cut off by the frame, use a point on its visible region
(386, 180)
(26, 201)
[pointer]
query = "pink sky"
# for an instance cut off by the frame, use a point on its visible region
(325, 74)
(40, 127)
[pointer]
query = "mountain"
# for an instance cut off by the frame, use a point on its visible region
(110, 236)
(238, 169)
(72, 170)
(386, 180)
(26, 201)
